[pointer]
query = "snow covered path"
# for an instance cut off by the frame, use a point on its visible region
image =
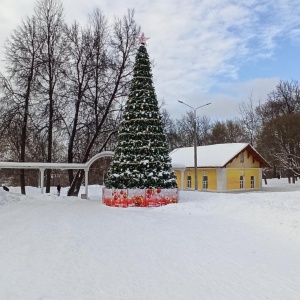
(206, 248)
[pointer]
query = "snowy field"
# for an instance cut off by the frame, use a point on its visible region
(210, 246)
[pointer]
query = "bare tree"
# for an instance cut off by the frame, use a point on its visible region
(275, 114)
(79, 76)
(250, 120)
(282, 146)
(204, 130)
(185, 129)
(49, 14)
(169, 129)
(285, 99)
(219, 133)
(228, 131)
(116, 73)
(21, 57)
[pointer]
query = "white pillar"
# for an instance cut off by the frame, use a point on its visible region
(86, 180)
(221, 179)
(181, 178)
(260, 179)
(42, 180)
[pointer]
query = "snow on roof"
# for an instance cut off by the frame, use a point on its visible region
(207, 156)
(178, 166)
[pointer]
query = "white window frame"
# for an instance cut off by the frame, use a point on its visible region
(205, 182)
(252, 182)
(189, 181)
(242, 182)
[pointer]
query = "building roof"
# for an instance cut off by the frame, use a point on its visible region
(218, 155)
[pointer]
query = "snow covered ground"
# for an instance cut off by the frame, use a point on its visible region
(209, 246)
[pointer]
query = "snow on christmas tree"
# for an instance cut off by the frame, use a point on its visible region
(141, 158)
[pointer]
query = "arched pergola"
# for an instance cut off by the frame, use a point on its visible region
(61, 166)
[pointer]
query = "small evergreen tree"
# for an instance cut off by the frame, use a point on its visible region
(141, 157)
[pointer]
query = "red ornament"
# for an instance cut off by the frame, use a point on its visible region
(158, 191)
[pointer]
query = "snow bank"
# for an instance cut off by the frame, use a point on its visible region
(208, 246)
(275, 210)
(8, 197)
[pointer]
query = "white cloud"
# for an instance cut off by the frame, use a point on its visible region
(195, 44)
(225, 102)
(257, 88)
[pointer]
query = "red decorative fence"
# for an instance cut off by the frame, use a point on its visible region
(139, 197)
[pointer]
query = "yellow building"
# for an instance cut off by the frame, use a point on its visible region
(220, 167)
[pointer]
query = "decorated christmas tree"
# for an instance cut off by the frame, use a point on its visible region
(141, 158)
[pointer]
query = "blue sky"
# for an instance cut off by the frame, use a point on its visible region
(218, 51)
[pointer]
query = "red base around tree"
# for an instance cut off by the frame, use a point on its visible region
(139, 197)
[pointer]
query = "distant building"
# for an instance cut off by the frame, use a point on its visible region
(221, 167)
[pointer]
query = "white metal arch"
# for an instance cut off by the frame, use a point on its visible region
(88, 165)
(99, 155)
(61, 166)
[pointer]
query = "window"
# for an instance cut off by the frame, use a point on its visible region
(241, 182)
(205, 182)
(189, 181)
(242, 157)
(252, 182)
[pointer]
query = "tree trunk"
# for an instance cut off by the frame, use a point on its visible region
(75, 186)
(274, 171)
(50, 139)
(72, 138)
(24, 127)
(22, 181)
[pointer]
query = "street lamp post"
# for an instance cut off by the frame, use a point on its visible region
(195, 140)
